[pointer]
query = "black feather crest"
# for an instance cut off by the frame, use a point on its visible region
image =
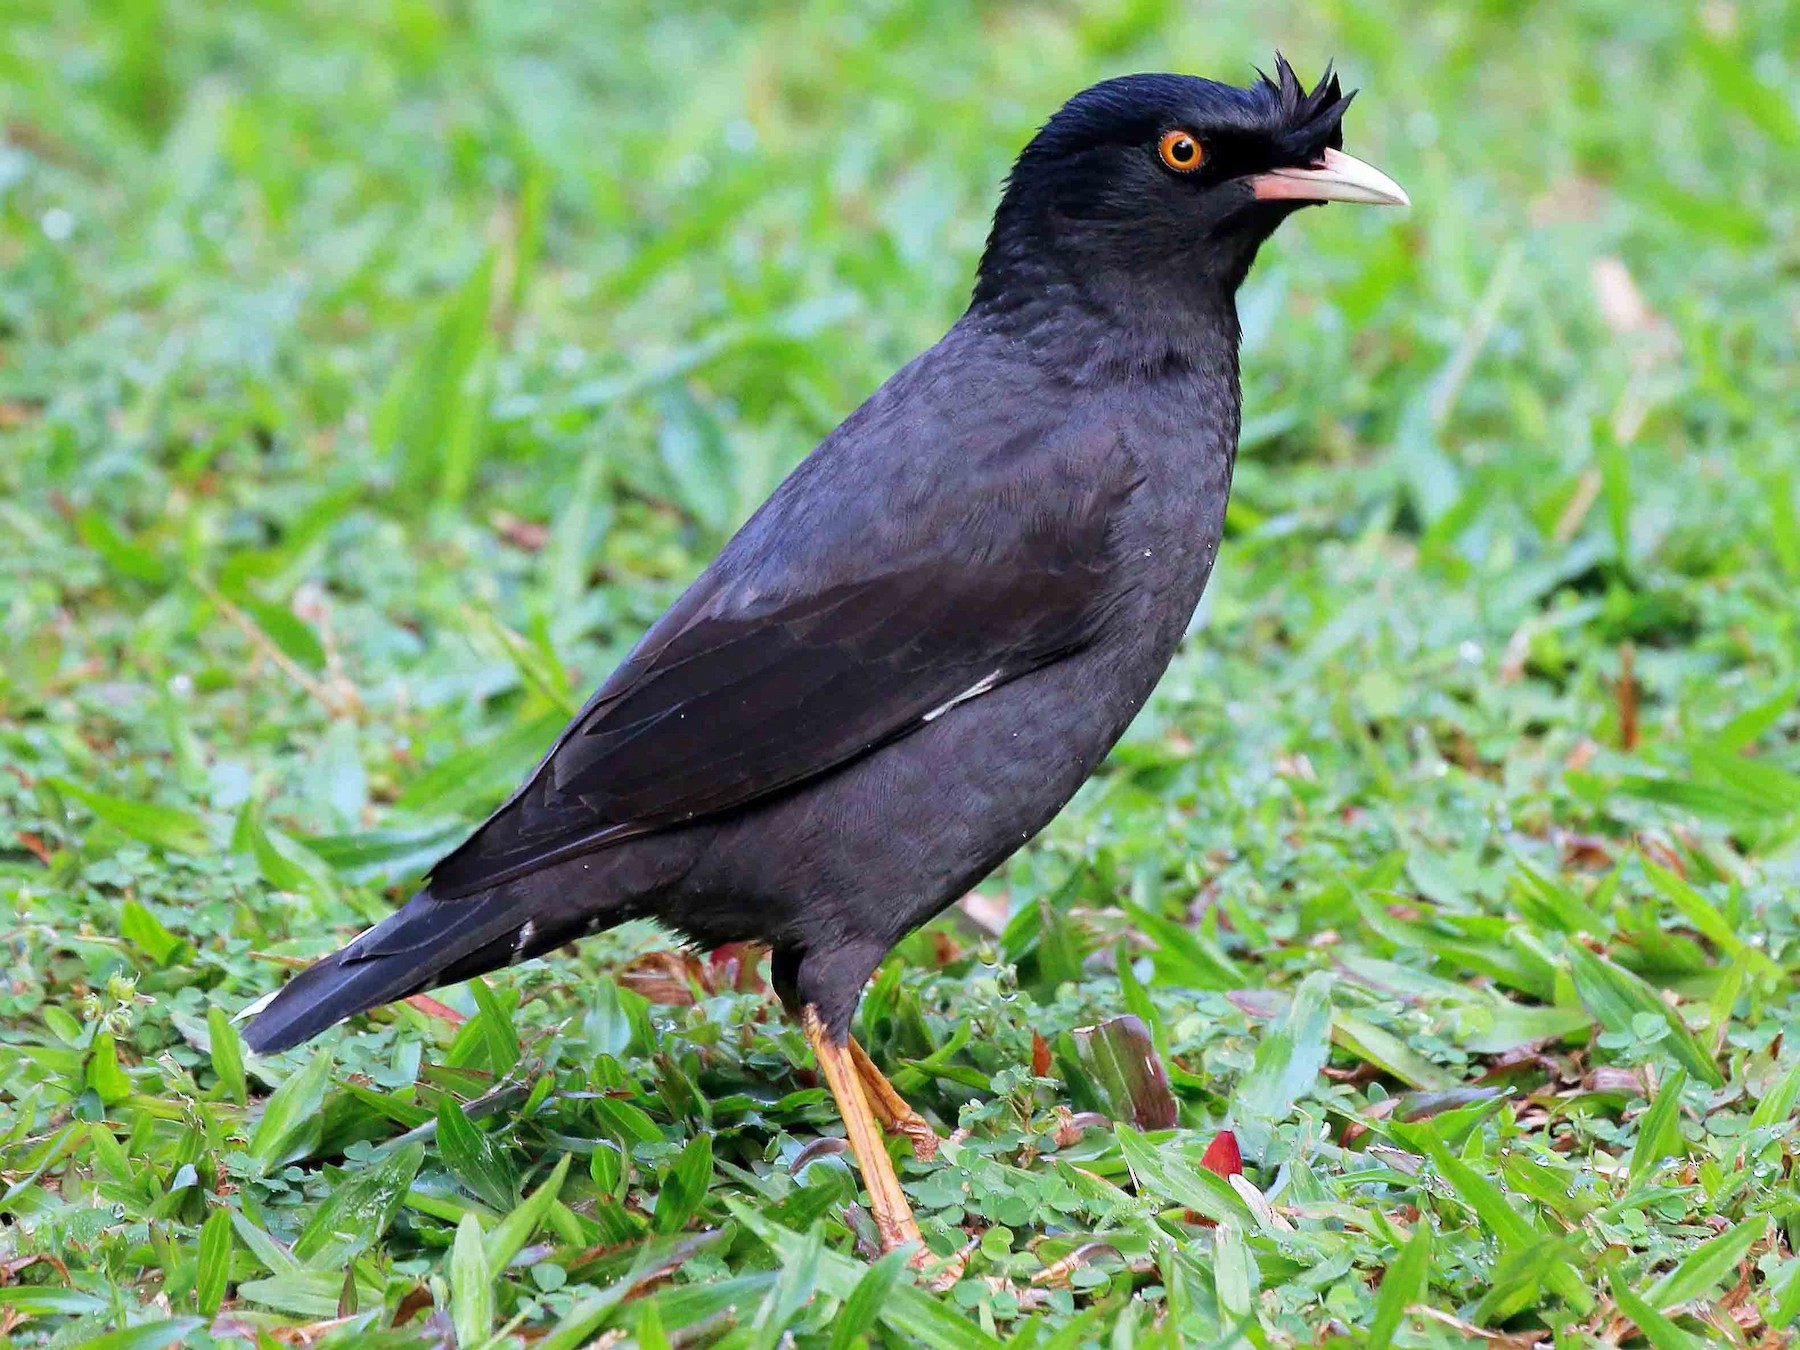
(1310, 123)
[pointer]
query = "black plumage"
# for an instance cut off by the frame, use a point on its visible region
(914, 653)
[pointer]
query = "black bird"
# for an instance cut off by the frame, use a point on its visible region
(917, 649)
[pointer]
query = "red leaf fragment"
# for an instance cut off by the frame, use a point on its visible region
(736, 966)
(1626, 691)
(36, 847)
(668, 977)
(1222, 1155)
(428, 1005)
(415, 1301)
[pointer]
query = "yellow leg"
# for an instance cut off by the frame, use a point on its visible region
(891, 1109)
(893, 1216)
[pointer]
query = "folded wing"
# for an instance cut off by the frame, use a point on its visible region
(754, 683)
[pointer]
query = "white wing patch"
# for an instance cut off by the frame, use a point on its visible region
(976, 690)
(251, 1009)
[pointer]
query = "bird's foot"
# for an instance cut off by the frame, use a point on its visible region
(896, 1228)
(891, 1109)
(938, 1274)
(924, 1140)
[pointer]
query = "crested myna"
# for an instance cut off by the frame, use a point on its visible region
(912, 655)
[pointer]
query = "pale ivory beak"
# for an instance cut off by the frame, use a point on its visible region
(1336, 178)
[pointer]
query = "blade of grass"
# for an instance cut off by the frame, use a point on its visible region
(1401, 1287)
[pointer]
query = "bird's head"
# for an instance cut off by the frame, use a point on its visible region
(1158, 189)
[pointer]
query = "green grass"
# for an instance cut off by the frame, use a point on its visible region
(370, 374)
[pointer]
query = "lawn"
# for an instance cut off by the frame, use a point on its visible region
(372, 374)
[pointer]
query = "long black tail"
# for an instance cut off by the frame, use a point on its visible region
(425, 943)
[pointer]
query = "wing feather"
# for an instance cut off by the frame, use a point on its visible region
(753, 683)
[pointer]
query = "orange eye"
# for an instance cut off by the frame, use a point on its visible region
(1180, 151)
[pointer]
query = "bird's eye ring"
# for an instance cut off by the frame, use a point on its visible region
(1180, 151)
